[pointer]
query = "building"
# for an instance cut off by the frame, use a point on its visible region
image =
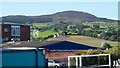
(55, 50)
(23, 57)
(14, 32)
(67, 46)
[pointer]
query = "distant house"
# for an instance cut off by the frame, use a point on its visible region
(59, 35)
(14, 32)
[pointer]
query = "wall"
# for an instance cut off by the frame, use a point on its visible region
(19, 58)
(6, 34)
(0, 34)
(41, 59)
(23, 58)
(24, 33)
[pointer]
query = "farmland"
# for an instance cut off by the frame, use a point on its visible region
(44, 34)
(91, 29)
(84, 40)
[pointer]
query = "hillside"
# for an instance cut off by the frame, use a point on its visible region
(84, 40)
(64, 16)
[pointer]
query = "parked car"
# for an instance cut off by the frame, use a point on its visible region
(55, 64)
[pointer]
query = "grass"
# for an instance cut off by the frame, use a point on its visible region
(88, 29)
(104, 24)
(46, 33)
(40, 25)
(10, 23)
(71, 32)
(84, 40)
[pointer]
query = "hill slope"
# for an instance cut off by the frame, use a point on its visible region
(64, 16)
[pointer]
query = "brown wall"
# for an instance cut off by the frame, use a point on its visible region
(24, 33)
(6, 34)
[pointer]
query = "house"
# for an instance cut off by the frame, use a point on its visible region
(62, 49)
(55, 50)
(14, 32)
(51, 45)
(59, 35)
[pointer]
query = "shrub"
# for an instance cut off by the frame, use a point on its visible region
(106, 46)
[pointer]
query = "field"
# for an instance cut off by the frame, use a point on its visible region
(41, 25)
(46, 33)
(84, 40)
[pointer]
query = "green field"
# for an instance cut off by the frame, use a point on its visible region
(45, 34)
(41, 25)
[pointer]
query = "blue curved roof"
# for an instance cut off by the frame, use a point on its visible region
(66, 45)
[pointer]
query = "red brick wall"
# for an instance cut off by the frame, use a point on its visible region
(24, 33)
(58, 55)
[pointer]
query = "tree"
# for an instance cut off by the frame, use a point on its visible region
(96, 27)
(113, 37)
(106, 46)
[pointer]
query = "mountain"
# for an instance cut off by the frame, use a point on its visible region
(64, 16)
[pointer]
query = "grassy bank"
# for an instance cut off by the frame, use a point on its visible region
(84, 40)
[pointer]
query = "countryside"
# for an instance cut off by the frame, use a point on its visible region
(61, 36)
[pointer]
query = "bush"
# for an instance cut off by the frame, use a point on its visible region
(89, 52)
(114, 51)
(106, 46)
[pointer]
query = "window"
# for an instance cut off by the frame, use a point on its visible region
(15, 31)
(6, 39)
(6, 29)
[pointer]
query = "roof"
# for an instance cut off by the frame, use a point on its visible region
(15, 24)
(20, 49)
(66, 45)
(51, 45)
(26, 44)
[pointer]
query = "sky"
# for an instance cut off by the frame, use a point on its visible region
(59, 0)
(99, 9)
